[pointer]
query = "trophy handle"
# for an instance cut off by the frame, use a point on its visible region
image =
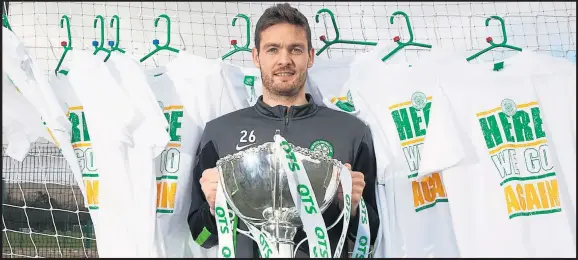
(247, 234)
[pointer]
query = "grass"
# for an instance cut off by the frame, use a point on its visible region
(22, 240)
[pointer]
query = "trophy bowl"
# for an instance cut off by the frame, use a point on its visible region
(255, 186)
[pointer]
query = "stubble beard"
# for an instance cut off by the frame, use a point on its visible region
(281, 89)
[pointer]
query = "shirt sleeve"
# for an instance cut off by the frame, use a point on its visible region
(365, 162)
(34, 86)
(443, 144)
(201, 222)
(21, 123)
(31, 82)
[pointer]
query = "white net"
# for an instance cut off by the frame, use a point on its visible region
(43, 213)
(204, 28)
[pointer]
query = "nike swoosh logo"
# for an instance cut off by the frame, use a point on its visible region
(242, 147)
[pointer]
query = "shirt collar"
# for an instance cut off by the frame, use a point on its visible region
(280, 111)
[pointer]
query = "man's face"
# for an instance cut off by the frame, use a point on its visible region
(283, 59)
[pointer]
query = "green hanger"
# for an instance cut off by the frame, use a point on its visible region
(67, 45)
(156, 41)
(234, 42)
(491, 42)
(114, 44)
(5, 22)
(98, 46)
(400, 44)
(336, 40)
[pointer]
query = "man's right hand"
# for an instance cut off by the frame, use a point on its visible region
(209, 182)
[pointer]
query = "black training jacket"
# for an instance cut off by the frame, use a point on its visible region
(340, 135)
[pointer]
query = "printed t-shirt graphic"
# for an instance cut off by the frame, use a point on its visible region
(491, 133)
(529, 139)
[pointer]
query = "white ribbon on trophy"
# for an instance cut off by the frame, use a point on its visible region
(224, 225)
(226, 243)
(304, 198)
(363, 237)
(264, 243)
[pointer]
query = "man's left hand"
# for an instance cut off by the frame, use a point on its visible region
(358, 184)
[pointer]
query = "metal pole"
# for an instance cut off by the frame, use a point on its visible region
(3, 192)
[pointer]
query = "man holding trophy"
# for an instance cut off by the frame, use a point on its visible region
(285, 170)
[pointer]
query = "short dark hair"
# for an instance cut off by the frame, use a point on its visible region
(282, 13)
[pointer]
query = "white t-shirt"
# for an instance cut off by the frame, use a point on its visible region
(420, 222)
(173, 173)
(150, 139)
(21, 124)
(33, 84)
(81, 143)
(487, 133)
(112, 120)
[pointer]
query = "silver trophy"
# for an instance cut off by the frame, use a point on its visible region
(256, 188)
